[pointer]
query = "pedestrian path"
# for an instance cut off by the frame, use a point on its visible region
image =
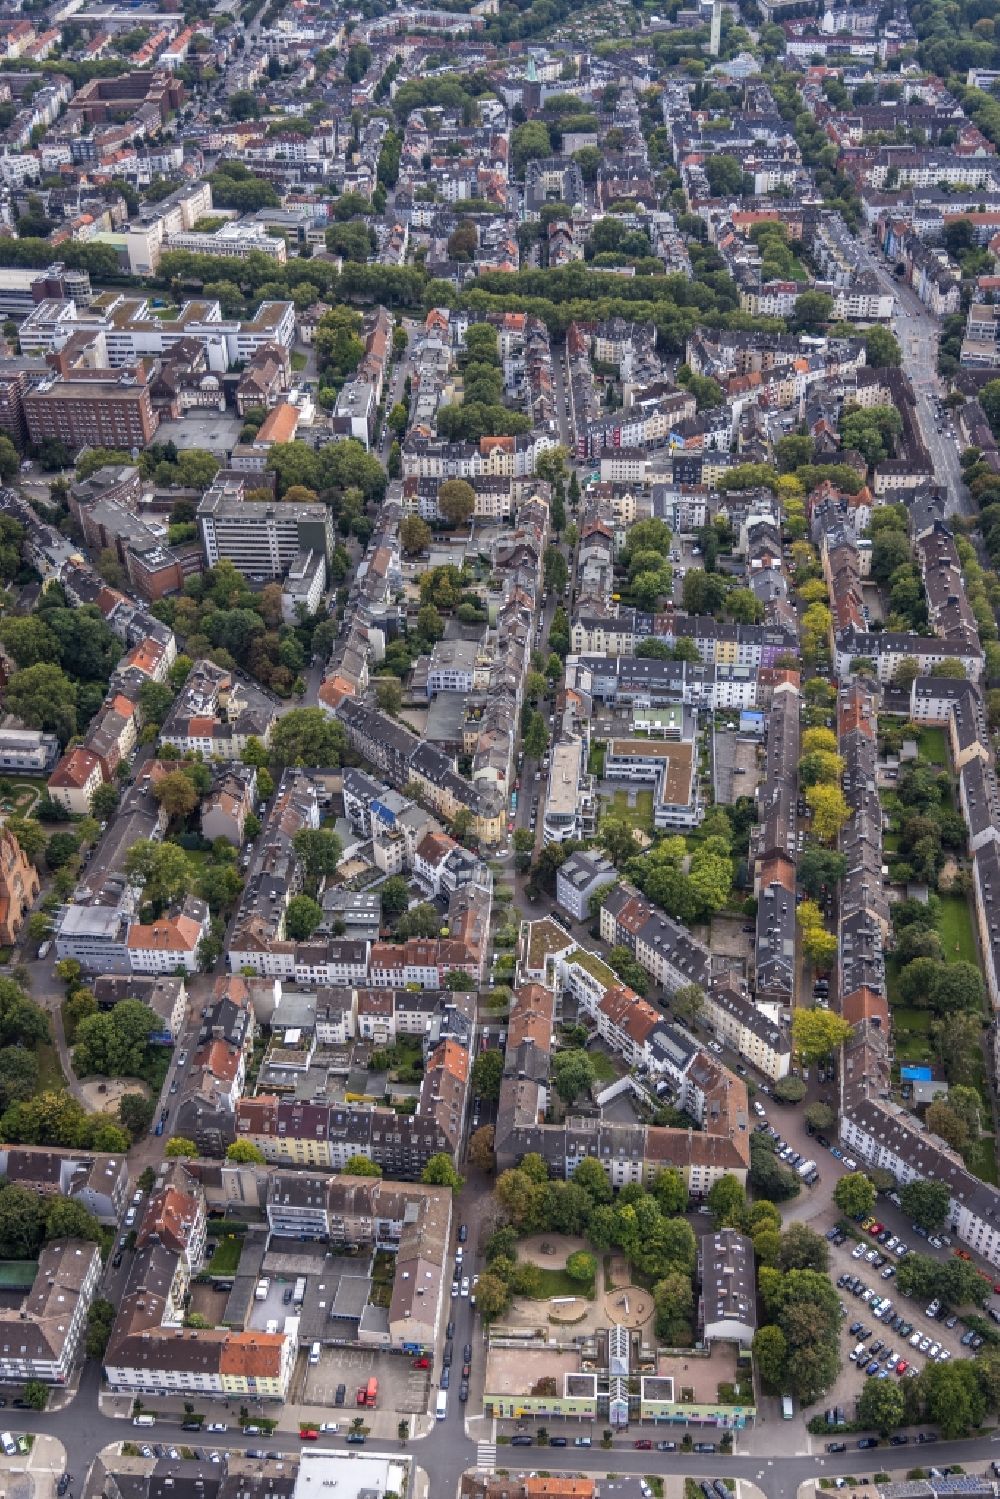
(486, 1457)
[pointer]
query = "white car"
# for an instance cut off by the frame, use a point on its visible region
(850, 1165)
(465, 1285)
(217, 1426)
(857, 1252)
(329, 1426)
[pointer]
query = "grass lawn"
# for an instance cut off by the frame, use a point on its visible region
(981, 1158)
(50, 1073)
(605, 1070)
(932, 745)
(892, 983)
(640, 816)
(955, 928)
(910, 1028)
(299, 361)
(226, 1257)
(558, 1283)
(890, 843)
(23, 794)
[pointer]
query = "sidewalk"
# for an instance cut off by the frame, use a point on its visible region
(381, 1424)
(38, 1472)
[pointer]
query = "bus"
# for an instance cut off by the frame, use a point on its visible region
(144, 1420)
(441, 1409)
(787, 1408)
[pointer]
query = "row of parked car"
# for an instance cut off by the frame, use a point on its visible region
(899, 1440)
(789, 1155)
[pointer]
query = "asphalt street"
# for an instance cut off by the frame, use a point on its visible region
(447, 1451)
(917, 331)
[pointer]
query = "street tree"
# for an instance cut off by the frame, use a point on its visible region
(440, 1172)
(854, 1195)
(926, 1202)
(881, 1406)
(817, 1033)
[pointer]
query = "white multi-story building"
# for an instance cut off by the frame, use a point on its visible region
(262, 540)
(41, 1339)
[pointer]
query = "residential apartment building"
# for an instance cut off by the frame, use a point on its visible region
(41, 1339)
(263, 540)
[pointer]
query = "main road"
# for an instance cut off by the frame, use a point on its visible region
(917, 332)
(448, 1451)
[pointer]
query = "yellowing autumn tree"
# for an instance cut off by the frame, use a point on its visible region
(813, 592)
(821, 765)
(816, 623)
(829, 810)
(819, 739)
(817, 1033)
(819, 946)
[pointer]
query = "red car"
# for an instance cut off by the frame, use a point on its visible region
(876, 1227)
(643, 1445)
(309, 1434)
(421, 1363)
(902, 1366)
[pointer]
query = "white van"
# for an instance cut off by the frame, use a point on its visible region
(314, 1353)
(441, 1408)
(8, 1444)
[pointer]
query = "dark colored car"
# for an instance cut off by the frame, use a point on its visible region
(467, 1354)
(445, 1377)
(899, 1440)
(450, 1330)
(643, 1445)
(866, 1442)
(340, 1396)
(463, 1391)
(922, 1436)
(463, 1233)
(836, 1446)
(447, 1357)
(558, 1442)
(355, 1438)
(704, 1447)
(520, 1441)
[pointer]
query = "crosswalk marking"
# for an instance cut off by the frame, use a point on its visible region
(486, 1457)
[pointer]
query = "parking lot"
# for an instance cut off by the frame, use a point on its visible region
(886, 1346)
(401, 1388)
(274, 1308)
